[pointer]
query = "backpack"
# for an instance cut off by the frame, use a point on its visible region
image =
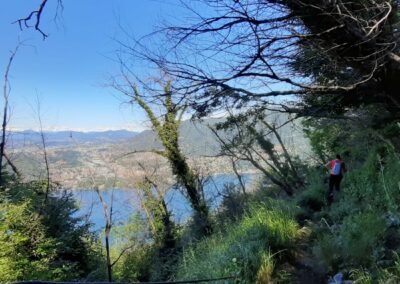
(336, 168)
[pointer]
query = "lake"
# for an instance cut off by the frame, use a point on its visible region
(125, 201)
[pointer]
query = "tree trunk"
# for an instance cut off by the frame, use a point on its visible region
(109, 265)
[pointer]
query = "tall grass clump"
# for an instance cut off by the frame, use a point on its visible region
(375, 184)
(378, 275)
(357, 242)
(245, 249)
(312, 199)
(267, 265)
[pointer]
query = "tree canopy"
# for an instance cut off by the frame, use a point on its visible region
(284, 54)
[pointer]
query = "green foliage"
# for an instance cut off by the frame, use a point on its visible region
(158, 215)
(357, 242)
(135, 265)
(142, 256)
(372, 186)
(360, 236)
(42, 240)
(357, 234)
(313, 198)
(330, 137)
(327, 252)
(167, 130)
(243, 249)
(267, 266)
(233, 204)
(131, 242)
(378, 275)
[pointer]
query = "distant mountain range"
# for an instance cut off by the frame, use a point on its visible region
(65, 138)
(75, 157)
(195, 138)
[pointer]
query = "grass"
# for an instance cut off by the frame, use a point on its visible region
(245, 249)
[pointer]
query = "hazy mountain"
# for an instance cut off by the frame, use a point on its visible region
(195, 138)
(66, 138)
(74, 156)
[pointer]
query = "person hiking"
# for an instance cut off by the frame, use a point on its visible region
(336, 169)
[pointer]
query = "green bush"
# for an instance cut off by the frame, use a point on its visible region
(241, 249)
(134, 265)
(327, 252)
(361, 237)
(134, 241)
(233, 204)
(313, 198)
(377, 275)
(39, 238)
(375, 185)
(357, 242)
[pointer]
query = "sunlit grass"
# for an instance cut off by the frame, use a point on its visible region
(244, 249)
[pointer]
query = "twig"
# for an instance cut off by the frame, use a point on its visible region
(6, 93)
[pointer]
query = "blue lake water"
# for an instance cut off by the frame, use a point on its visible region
(125, 201)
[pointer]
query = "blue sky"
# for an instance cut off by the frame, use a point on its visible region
(69, 69)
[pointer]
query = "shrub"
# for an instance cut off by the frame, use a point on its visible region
(243, 249)
(357, 242)
(376, 183)
(327, 252)
(361, 236)
(233, 204)
(42, 240)
(313, 198)
(377, 275)
(135, 264)
(133, 240)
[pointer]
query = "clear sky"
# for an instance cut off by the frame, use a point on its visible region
(69, 69)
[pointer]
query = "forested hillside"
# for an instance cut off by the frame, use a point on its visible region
(309, 96)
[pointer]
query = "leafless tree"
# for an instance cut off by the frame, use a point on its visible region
(96, 182)
(253, 138)
(242, 184)
(44, 147)
(6, 95)
(283, 54)
(108, 217)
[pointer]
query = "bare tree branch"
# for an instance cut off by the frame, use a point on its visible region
(37, 14)
(6, 94)
(44, 147)
(263, 52)
(11, 164)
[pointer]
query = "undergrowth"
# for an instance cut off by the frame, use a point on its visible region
(358, 234)
(248, 250)
(263, 240)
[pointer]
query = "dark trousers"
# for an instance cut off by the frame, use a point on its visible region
(334, 184)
